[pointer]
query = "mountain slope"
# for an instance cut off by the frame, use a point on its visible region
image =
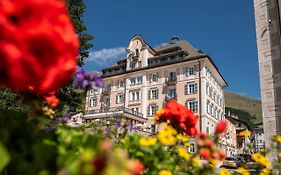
(247, 108)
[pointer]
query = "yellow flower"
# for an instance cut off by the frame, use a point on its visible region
(196, 162)
(147, 141)
(155, 118)
(224, 171)
(265, 171)
(278, 138)
(245, 133)
(160, 112)
(243, 171)
(183, 138)
(167, 136)
(212, 163)
(183, 153)
(279, 154)
(257, 157)
(169, 129)
(165, 172)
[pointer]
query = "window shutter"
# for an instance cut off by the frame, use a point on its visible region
(157, 94)
(157, 74)
(195, 88)
(148, 110)
(116, 99)
(186, 89)
(149, 94)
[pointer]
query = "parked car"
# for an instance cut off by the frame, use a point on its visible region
(229, 162)
(240, 161)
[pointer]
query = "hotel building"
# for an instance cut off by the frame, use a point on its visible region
(142, 82)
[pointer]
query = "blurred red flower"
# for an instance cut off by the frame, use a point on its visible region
(179, 116)
(135, 167)
(52, 100)
(38, 45)
(205, 153)
(221, 127)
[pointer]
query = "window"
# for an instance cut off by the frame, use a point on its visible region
(120, 98)
(208, 107)
(212, 110)
(191, 70)
(153, 94)
(133, 81)
(172, 76)
(152, 109)
(139, 64)
(154, 77)
(135, 110)
(137, 52)
(93, 102)
(192, 105)
(107, 102)
(139, 80)
(207, 89)
(207, 130)
(107, 87)
(120, 83)
(192, 148)
(135, 95)
(173, 93)
(136, 80)
(191, 88)
(216, 113)
(210, 92)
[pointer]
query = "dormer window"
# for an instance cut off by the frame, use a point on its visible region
(137, 52)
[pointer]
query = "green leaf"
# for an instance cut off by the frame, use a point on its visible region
(4, 157)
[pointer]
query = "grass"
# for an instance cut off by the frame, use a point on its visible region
(247, 108)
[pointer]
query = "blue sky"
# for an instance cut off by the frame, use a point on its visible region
(223, 29)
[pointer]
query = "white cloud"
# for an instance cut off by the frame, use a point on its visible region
(106, 56)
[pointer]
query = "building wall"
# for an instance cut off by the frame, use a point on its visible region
(267, 15)
(200, 77)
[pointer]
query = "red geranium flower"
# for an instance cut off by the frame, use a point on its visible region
(135, 167)
(205, 153)
(221, 127)
(38, 45)
(179, 116)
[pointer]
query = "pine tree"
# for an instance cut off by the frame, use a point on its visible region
(76, 10)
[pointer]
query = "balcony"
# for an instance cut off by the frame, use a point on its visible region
(110, 112)
(106, 91)
(171, 81)
(169, 97)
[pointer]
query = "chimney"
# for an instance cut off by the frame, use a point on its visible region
(174, 39)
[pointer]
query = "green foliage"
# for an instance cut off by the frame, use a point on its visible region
(5, 157)
(76, 9)
(9, 100)
(23, 139)
(244, 117)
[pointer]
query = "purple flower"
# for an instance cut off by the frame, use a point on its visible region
(106, 130)
(117, 125)
(66, 117)
(87, 80)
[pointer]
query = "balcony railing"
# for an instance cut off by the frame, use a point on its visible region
(171, 80)
(115, 110)
(106, 91)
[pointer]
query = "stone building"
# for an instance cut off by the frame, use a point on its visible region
(268, 33)
(142, 82)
